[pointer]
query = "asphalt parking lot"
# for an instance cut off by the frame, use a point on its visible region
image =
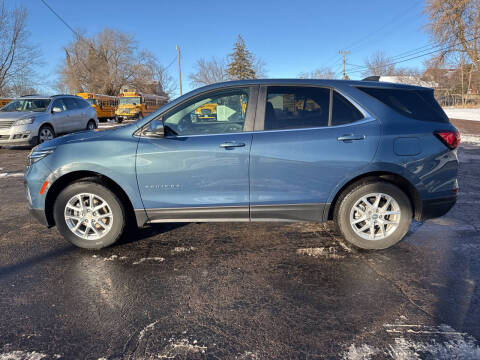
(241, 291)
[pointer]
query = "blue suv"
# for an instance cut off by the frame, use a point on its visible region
(371, 156)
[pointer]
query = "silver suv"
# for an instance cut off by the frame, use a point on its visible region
(31, 120)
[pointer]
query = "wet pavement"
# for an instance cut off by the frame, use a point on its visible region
(241, 291)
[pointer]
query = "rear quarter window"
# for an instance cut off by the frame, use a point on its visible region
(415, 104)
(343, 112)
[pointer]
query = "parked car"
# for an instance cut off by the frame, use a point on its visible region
(31, 120)
(371, 156)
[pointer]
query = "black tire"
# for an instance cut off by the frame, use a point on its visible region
(42, 129)
(90, 126)
(96, 188)
(354, 193)
(118, 119)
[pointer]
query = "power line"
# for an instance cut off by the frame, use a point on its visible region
(171, 63)
(355, 43)
(61, 19)
(414, 57)
(394, 20)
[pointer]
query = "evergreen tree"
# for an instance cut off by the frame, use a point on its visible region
(241, 62)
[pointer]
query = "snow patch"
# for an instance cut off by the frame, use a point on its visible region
(326, 252)
(9, 175)
(181, 348)
(360, 352)
(463, 114)
(181, 249)
(248, 355)
(470, 139)
(419, 342)
(142, 260)
(22, 355)
(149, 327)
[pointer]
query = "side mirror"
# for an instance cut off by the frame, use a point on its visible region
(56, 110)
(155, 129)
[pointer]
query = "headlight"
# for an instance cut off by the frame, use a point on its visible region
(25, 121)
(36, 155)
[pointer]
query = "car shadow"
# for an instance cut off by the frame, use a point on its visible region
(34, 260)
(137, 234)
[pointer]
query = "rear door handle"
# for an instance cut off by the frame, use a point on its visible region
(231, 144)
(350, 137)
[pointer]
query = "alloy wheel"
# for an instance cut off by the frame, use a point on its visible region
(45, 134)
(88, 216)
(375, 216)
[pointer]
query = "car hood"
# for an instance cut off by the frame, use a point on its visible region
(15, 115)
(81, 136)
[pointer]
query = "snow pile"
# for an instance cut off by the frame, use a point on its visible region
(463, 114)
(22, 355)
(181, 348)
(325, 252)
(149, 259)
(419, 342)
(470, 139)
(181, 249)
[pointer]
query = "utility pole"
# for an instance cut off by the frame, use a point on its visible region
(344, 54)
(179, 69)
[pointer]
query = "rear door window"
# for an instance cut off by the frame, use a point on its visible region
(59, 104)
(81, 104)
(296, 107)
(415, 104)
(70, 103)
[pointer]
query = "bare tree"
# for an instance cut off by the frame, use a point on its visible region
(320, 73)
(379, 64)
(455, 24)
(108, 61)
(208, 72)
(214, 70)
(17, 56)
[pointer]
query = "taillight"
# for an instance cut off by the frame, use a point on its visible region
(449, 137)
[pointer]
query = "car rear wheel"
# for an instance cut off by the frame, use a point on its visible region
(45, 133)
(118, 119)
(89, 215)
(91, 125)
(374, 215)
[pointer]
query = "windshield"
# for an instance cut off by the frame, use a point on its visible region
(129, 100)
(37, 105)
(91, 101)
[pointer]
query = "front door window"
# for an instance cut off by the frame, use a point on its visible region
(216, 113)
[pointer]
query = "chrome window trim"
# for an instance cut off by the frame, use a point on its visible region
(366, 119)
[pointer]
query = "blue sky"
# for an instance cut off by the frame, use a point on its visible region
(289, 36)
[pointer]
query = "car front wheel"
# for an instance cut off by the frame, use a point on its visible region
(374, 215)
(91, 125)
(45, 133)
(89, 215)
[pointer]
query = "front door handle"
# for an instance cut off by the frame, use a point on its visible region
(231, 144)
(350, 137)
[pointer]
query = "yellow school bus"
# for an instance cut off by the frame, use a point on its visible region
(104, 105)
(4, 101)
(135, 105)
(207, 112)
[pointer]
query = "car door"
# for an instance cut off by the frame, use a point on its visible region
(199, 169)
(307, 141)
(73, 120)
(59, 116)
